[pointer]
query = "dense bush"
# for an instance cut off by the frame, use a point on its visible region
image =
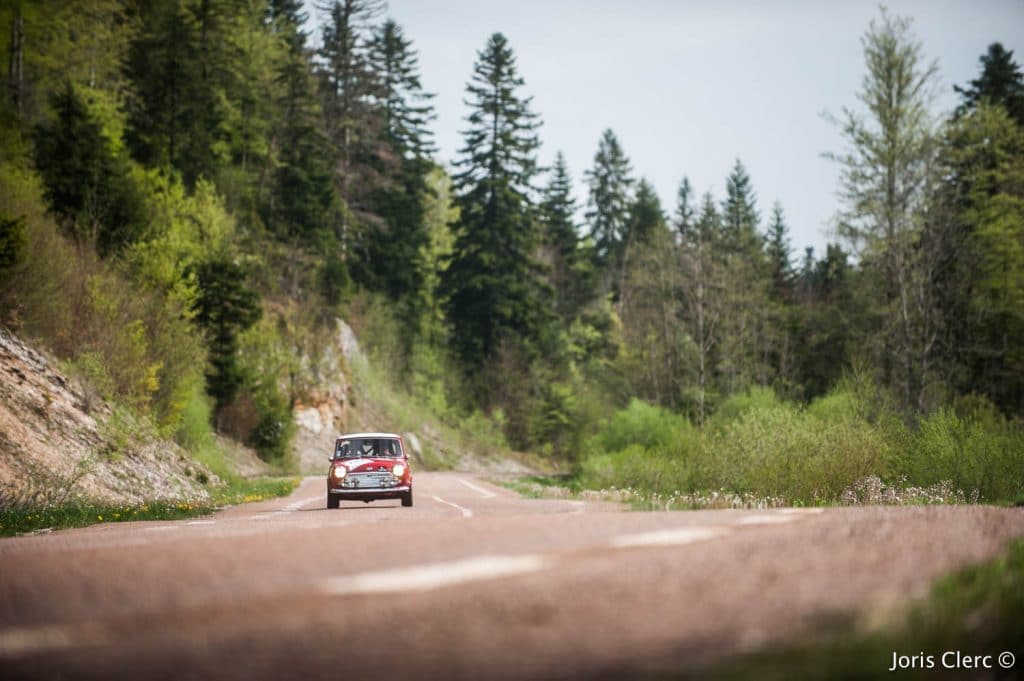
(756, 444)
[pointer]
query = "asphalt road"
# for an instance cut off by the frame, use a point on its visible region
(473, 582)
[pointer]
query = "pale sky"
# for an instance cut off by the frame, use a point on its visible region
(690, 86)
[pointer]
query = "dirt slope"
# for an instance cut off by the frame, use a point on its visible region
(57, 444)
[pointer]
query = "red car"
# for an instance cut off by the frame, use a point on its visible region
(369, 466)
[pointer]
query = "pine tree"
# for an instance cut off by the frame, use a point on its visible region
(178, 67)
(404, 106)
(560, 236)
(739, 213)
(224, 308)
(685, 219)
(391, 259)
(610, 181)
(746, 334)
(1001, 82)
(492, 287)
(348, 86)
(779, 253)
(86, 183)
(302, 201)
(645, 214)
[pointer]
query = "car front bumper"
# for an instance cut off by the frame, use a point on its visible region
(368, 491)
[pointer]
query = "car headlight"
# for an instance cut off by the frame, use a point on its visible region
(399, 470)
(339, 472)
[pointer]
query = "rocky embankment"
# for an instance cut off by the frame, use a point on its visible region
(60, 444)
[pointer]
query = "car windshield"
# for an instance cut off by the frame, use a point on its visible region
(370, 447)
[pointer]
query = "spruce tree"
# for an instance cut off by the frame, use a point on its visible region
(779, 252)
(348, 86)
(179, 67)
(303, 201)
(739, 213)
(391, 260)
(685, 218)
(610, 181)
(561, 240)
(645, 214)
(404, 106)
(1001, 82)
(86, 183)
(492, 286)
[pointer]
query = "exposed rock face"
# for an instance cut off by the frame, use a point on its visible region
(322, 416)
(58, 445)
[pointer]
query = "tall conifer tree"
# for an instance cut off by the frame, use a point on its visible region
(610, 182)
(493, 286)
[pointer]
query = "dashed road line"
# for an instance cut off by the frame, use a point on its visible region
(485, 493)
(435, 575)
(466, 513)
(674, 537)
(290, 508)
(765, 519)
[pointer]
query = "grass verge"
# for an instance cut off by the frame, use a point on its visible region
(978, 611)
(238, 491)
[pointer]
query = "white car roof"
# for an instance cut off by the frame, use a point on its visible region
(349, 436)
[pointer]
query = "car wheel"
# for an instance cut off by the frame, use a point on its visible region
(333, 501)
(407, 498)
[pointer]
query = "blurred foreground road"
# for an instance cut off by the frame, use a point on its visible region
(473, 582)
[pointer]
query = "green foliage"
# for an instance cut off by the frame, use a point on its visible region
(975, 456)
(610, 182)
(12, 244)
(274, 430)
(492, 285)
(87, 183)
(1000, 83)
(756, 444)
(224, 307)
(643, 425)
(736, 405)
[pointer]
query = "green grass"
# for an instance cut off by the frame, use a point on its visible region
(14, 522)
(977, 611)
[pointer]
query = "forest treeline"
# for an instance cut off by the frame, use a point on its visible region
(191, 191)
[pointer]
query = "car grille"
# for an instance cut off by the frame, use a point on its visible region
(367, 480)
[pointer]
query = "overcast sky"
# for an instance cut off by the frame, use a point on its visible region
(688, 87)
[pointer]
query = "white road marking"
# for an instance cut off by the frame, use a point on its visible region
(578, 507)
(802, 511)
(290, 508)
(161, 528)
(434, 576)
(466, 513)
(26, 640)
(674, 537)
(486, 494)
(766, 519)
(202, 522)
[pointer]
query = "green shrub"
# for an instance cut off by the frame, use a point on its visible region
(194, 427)
(12, 244)
(784, 451)
(635, 467)
(972, 454)
(644, 425)
(736, 405)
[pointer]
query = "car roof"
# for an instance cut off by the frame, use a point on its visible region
(349, 436)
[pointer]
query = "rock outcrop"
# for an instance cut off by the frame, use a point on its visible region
(58, 444)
